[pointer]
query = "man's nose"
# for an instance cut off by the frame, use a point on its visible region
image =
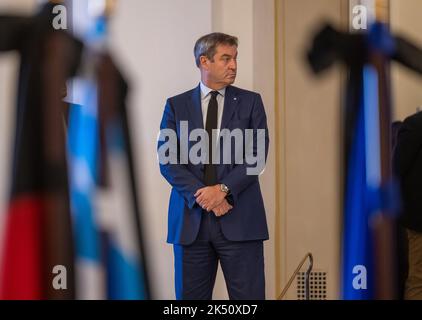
(233, 64)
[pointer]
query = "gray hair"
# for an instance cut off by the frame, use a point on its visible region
(207, 45)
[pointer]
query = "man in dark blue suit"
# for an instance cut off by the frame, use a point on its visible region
(216, 210)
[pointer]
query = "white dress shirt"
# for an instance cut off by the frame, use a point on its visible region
(205, 100)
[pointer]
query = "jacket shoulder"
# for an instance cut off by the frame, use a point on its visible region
(413, 122)
(182, 96)
(417, 117)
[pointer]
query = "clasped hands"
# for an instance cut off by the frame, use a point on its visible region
(213, 199)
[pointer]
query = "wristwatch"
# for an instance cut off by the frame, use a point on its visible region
(224, 188)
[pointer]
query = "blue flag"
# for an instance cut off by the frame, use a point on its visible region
(362, 195)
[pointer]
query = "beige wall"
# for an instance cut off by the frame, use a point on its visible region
(310, 137)
(236, 17)
(264, 83)
(407, 93)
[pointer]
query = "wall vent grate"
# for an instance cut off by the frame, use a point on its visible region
(317, 286)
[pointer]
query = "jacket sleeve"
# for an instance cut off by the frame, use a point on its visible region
(178, 175)
(409, 143)
(238, 179)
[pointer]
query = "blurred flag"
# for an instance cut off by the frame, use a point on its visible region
(83, 147)
(110, 255)
(370, 196)
(38, 229)
(125, 263)
(126, 270)
(361, 192)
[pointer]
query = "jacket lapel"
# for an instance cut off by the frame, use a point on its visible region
(230, 103)
(196, 109)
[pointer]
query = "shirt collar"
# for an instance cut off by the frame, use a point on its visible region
(205, 90)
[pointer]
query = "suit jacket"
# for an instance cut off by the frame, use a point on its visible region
(246, 221)
(408, 168)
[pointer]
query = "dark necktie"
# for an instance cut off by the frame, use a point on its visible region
(210, 177)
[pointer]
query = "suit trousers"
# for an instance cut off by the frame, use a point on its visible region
(242, 263)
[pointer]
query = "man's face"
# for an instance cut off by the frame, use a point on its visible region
(221, 71)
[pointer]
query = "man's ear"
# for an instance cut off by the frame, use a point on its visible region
(203, 62)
